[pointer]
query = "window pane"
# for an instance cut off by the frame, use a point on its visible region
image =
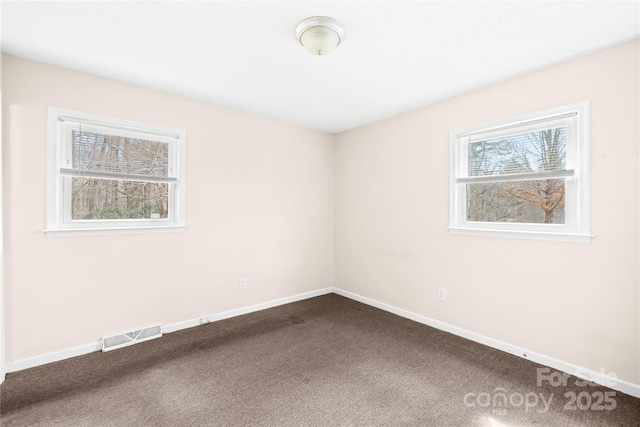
(94, 198)
(527, 152)
(109, 153)
(533, 201)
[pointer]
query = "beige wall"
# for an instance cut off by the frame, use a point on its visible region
(260, 201)
(578, 303)
(259, 204)
(2, 363)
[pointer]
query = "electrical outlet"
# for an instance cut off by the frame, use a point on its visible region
(442, 294)
(244, 284)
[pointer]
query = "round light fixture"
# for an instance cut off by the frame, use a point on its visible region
(320, 34)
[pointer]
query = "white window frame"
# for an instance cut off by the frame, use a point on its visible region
(59, 222)
(576, 227)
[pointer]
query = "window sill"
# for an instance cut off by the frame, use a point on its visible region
(534, 235)
(111, 231)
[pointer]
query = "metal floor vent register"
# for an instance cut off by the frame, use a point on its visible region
(130, 338)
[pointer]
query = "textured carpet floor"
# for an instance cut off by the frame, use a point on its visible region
(320, 362)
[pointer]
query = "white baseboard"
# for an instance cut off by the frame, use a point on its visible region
(594, 376)
(56, 356)
(173, 327)
(598, 377)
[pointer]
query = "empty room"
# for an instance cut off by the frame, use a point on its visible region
(310, 213)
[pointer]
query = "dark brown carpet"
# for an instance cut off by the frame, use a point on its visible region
(326, 361)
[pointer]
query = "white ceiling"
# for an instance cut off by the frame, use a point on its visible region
(396, 56)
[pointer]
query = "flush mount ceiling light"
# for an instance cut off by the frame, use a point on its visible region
(320, 34)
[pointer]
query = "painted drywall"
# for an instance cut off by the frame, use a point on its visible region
(259, 205)
(575, 302)
(260, 199)
(2, 363)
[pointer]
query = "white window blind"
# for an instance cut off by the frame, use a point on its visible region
(99, 150)
(533, 150)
